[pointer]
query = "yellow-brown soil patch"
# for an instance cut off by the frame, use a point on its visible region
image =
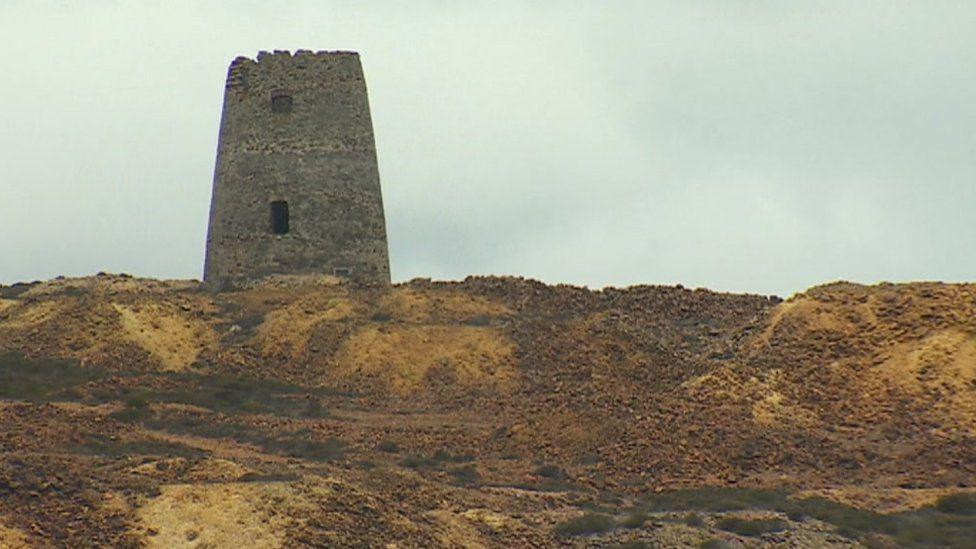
(172, 339)
(6, 304)
(218, 515)
(722, 383)
(767, 394)
(30, 315)
(802, 315)
(946, 358)
(402, 356)
(877, 315)
(461, 529)
(496, 521)
(772, 408)
(410, 305)
(453, 530)
(775, 410)
(286, 331)
(11, 538)
(216, 469)
(942, 364)
(114, 503)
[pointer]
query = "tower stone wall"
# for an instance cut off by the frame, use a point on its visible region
(296, 186)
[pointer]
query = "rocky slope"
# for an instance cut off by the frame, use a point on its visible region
(488, 412)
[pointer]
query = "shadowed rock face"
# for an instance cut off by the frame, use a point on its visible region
(296, 185)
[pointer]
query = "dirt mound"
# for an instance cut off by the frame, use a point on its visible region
(173, 340)
(476, 413)
(219, 515)
(109, 320)
(406, 359)
(865, 354)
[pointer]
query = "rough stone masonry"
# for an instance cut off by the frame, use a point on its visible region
(296, 185)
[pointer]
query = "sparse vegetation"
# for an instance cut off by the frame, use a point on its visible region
(419, 462)
(388, 446)
(589, 523)
(314, 408)
(947, 523)
(104, 446)
(750, 527)
(230, 394)
(462, 475)
(632, 545)
(850, 521)
(46, 380)
(716, 500)
(715, 543)
(301, 444)
(42, 380)
(261, 477)
(693, 519)
(551, 471)
(135, 409)
(381, 316)
(14, 290)
(551, 479)
(444, 456)
(957, 504)
(634, 519)
(465, 475)
(478, 320)
(435, 461)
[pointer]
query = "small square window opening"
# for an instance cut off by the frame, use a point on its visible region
(281, 103)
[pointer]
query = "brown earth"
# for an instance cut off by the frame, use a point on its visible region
(475, 413)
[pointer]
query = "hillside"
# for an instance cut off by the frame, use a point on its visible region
(488, 412)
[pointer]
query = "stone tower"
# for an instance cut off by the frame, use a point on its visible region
(296, 185)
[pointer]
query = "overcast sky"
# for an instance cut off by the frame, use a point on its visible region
(738, 145)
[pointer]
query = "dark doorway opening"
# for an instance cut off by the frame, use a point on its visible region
(279, 217)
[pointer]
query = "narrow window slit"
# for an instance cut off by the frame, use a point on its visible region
(279, 217)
